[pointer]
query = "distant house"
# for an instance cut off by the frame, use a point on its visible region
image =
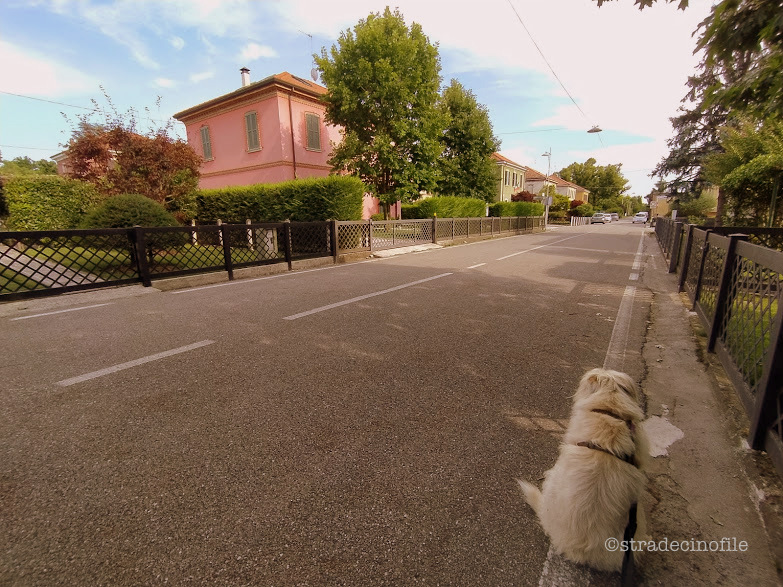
(511, 177)
(535, 181)
(264, 132)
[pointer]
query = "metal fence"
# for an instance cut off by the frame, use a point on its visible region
(43, 263)
(735, 287)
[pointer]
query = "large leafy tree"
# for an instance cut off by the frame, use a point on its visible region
(118, 158)
(749, 171)
(606, 183)
(383, 79)
(466, 167)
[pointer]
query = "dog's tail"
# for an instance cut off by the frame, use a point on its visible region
(532, 494)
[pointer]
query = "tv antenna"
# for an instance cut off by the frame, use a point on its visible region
(314, 69)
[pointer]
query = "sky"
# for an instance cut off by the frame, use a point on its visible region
(547, 70)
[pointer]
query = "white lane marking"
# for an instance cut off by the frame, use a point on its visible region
(536, 248)
(615, 354)
(58, 312)
(135, 363)
(364, 297)
(557, 570)
(479, 265)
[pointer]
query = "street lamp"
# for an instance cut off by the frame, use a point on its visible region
(547, 200)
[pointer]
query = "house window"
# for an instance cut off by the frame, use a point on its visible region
(206, 143)
(507, 174)
(313, 132)
(251, 131)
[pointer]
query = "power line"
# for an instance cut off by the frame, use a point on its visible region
(522, 132)
(49, 101)
(30, 148)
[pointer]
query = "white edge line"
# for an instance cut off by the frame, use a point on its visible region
(364, 297)
(479, 265)
(134, 363)
(58, 312)
(536, 248)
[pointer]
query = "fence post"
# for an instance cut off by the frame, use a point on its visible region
(675, 251)
(287, 238)
(371, 235)
(225, 240)
(193, 234)
(764, 412)
(723, 301)
(333, 228)
(434, 229)
(686, 261)
(250, 244)
(138, 247)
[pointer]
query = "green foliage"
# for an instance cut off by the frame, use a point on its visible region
(465, 167)
(316, 198)
(26, 166)
(583, 210)
(696, 209)
(383, 81)
(749, 170)
(128, 210)
(516, 209)
(377, 217)
(606, 183)
(445, 207)
(47, 202)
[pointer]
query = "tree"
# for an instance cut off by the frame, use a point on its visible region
(465, 167)
(606, 183)
(26, 166)
(383, 80)
(749, 171)
(117, 158)
(642, 4)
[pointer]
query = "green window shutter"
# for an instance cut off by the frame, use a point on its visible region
(313, 132)
(251, 129)
(206, 144)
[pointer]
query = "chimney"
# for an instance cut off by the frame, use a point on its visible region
(245, 76)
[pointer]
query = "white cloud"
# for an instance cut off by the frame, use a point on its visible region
(163, 82)
(200, 77)
(253, 51)
(177, 42)
(25, 72)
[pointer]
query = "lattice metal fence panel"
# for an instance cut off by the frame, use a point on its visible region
(256, 244)
(444, 229)
(310, 239)
(474, 224)
(710, 281)
(746, 326)
(180, 250)
(353, 236)
(694, 261)
(505, 224)
(401, 233)
(460, 227)
(65, 260)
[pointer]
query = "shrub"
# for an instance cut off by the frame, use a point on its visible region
(516, 209)
(127, 210)
(583, 210)
(47, 202)
(335, 197)
(576, 203)
(377, 217)
(523, 196)
(445, 207)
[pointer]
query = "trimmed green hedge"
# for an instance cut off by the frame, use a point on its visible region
(445, 207)
(128, 210)
(47, 202)
(516, 209)
(334, 197)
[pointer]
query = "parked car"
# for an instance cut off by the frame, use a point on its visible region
(640, 217)
(600, 218)
(615, 216)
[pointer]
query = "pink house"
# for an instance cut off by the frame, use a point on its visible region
(265, 132)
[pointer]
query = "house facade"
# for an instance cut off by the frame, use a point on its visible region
(511, 177)
(536, 181)
(268, 131)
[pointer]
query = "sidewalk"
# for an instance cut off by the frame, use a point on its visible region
(706, 484)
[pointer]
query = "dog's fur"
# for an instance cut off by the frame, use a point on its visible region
(587, 495)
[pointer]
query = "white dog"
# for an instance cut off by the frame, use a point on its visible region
(587, 496)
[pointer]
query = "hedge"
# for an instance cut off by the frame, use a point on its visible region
(47, 202)
(128, 210)
(516, 209)
(334, 197)
(445, 207)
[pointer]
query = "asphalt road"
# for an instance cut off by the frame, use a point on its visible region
(360, 424)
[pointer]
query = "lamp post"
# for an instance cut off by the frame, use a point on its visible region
(548, 156)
